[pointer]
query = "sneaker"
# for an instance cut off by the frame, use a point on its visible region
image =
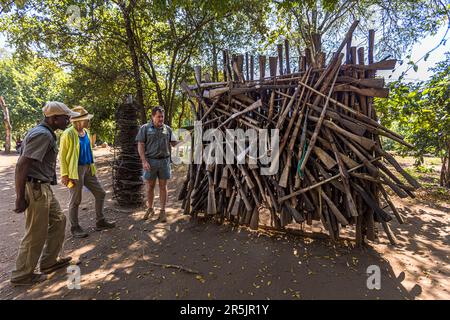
(104, 225)
(78, 232)
(60, 263)
(162, 216)
(150, 212)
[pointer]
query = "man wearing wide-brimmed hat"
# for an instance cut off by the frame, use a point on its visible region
(78, 170)
(45, 223)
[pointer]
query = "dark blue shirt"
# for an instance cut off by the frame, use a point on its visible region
(85, 151)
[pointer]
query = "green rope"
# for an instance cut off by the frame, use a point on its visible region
(299, 165)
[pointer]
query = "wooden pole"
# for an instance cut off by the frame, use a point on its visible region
(273, 66)
(280, 57)
(286, 49)
(247, 69)
(262, 67)
(252, 67)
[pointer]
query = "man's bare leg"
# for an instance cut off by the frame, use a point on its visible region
(163, 199)
(150, 197)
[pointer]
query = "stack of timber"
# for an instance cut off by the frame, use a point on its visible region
(333, 168)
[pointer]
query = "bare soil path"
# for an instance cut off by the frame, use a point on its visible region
(232, 264)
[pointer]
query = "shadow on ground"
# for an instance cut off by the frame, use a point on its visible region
(217, 262)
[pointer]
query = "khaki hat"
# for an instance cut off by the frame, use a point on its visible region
(82, 114)
(55, 108)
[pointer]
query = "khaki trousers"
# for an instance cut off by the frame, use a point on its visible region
(44, 231)
(85, 178)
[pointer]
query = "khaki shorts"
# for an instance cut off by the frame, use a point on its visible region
(159, 168)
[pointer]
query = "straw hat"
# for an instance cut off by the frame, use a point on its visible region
(84, 115)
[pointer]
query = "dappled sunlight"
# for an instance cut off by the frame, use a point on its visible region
(189, 258)
(83, 250)
(423, 251)
(137, 245)
(158, 235)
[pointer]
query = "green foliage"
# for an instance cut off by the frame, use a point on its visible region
(91, 40)
(26, 88)
(398, 23)
(421, 112)
(89, 51)
(424, 169)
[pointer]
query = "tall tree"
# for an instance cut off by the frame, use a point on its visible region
(7, 124)
(172, 33)
(398, 23)
(421, 112)
(26, 87)
(155, 40)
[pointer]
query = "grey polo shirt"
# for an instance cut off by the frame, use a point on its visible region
(157, 140)
(40, 145)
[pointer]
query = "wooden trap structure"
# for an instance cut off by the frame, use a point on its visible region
(126, 166)
(333, 169)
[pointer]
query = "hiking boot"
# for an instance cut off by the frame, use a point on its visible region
(162, 216)
(104, 225)
(149, 213)
(78, 232)
(60, 263)
(29, 280)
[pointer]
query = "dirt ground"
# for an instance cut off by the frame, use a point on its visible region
(228, 263)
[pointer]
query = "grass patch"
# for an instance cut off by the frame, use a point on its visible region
(427, 175)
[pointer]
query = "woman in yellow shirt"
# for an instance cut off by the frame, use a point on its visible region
(78, 170)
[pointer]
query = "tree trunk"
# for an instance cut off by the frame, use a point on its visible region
(214, 53)
(445, 170)
(215, 70)
(153, 76)
(183, 108)
(135, 60)
(7, 123)
(316, 40)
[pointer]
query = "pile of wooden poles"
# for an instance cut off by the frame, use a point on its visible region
(333, 168)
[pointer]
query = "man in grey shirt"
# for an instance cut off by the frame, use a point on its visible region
(154, 142)
(45, 222)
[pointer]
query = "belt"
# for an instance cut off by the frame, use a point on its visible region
(34, 180)
(161, 158)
